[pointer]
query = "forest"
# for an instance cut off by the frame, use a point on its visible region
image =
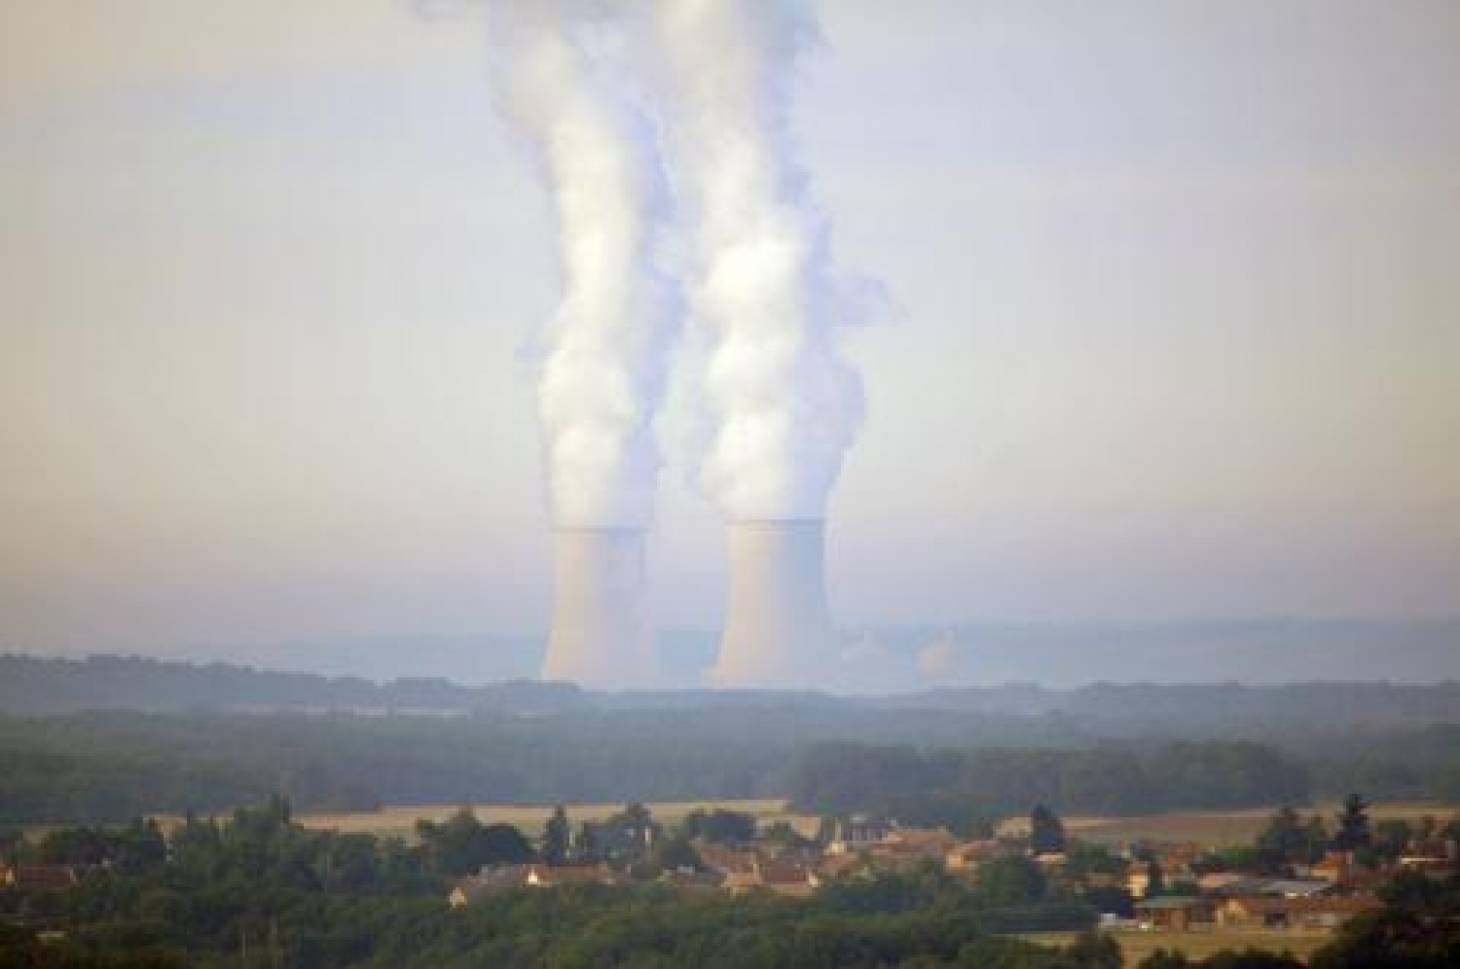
(143, 736)
(110, 766)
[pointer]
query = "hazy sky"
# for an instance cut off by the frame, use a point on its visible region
(1178, 330)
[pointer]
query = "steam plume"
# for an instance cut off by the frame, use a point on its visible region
(605, 350)
(782, 404)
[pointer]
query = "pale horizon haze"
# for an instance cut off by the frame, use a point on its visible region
(1176, 331)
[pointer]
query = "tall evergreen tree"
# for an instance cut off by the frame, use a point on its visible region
(1353, 825)
(555, 837)
(1285, 835)
(1046, 831)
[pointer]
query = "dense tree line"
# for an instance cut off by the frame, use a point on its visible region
(110, 766)
(43, 685)
(956, 788)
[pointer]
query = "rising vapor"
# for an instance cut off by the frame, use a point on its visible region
(605, 352)
(782, 404)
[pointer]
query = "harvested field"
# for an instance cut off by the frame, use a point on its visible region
(400, 821)
(1216, 828)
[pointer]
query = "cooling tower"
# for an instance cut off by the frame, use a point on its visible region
(601, 634)
(777, 631)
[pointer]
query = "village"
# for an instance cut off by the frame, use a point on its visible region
(1298, 881)
(1296, 877)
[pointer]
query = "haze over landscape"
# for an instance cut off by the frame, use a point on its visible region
(731, 484)
(1174, 334)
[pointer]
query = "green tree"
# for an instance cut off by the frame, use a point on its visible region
(785, 833)
(1046, 831)
(462, 845)
(720, 826)
(1392, 837)
(1010, 881)
(1094, 950)
(1285, 834)
(556, 835)
(1316, 839)
(1353, 825)
(674, 854)
(10, 840)
(1155, 878)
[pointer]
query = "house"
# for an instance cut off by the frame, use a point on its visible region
(858, 831)
(928, 842)
(898, 855)
(1138, 881)
(1267, 911)
(968, 855)
(793, 880)
(1226, 883)
(1176, 860)
(499, 879)
(552, 876)
(1291, 887)
(692, 881)
(1175, 912)
(39, 878)
(1336, 867)
(844, 866)
(1430, 862)
(723, 858)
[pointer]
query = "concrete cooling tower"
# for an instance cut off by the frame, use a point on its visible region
(777, 631)
(601, 633)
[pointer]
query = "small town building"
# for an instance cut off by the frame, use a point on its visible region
(39, 878)
(500, 878)
(1292, 887)
(552, 876)
(723, 858)
(1175, 912)
(1268, 911)
(795, 881)
(968, 855)
(857, 832)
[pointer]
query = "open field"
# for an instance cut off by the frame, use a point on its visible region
(1216, 828)
(1136, 945)
(400, 821)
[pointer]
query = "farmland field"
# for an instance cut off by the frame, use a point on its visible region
(400, 821)
(1216, 828)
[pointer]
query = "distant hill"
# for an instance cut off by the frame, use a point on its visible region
(912, 658)
(36, 685)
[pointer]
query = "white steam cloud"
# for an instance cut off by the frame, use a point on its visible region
(777, 405)
(781, 404)
(605, 352)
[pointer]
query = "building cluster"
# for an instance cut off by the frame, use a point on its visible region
(1168, 886)
(1319, 896)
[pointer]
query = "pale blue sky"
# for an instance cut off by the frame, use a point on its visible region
(1178, 334)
